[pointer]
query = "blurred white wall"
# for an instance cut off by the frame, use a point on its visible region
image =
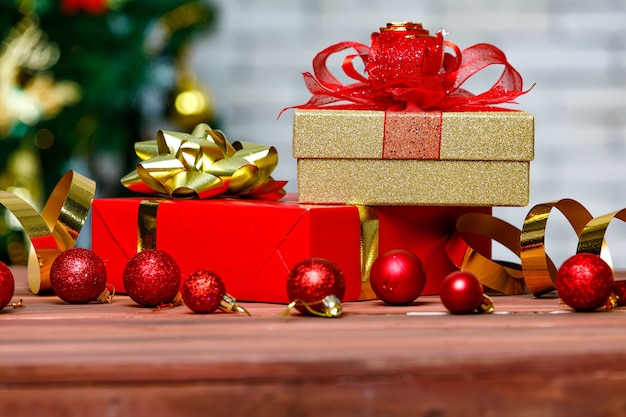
(574, 50)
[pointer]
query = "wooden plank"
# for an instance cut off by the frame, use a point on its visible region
(534, 358)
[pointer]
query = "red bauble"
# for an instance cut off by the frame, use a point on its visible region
(7, 285)
(78, 276)
(461, 292)
(203, 291)
(152, 278)
(584, 282)
(398, 277)
(313, 279)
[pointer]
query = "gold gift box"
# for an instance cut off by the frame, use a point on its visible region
(413, 158)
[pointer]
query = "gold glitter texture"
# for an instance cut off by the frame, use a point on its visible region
(363, 157)
(413, 182)
(489, 136)
(359, 134)
(338, 134)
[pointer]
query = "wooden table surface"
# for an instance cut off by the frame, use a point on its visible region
(534, 357)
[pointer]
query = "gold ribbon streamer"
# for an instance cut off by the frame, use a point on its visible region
(369, 248)
(536, 272)
(539, 270)
(499, 276)
(204, 164)
(147, 224)
(592, 236)
(58, 226)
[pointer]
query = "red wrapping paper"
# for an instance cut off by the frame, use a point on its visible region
(253, 244)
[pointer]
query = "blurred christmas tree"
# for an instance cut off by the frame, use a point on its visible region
(79, 82)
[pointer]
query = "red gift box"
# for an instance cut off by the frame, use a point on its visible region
(253, 244)
(250, 244)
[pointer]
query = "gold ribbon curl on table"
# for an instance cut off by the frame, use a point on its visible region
(204, 164)
(536, 273)
(56, 229)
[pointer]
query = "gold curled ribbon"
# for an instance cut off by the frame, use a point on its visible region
(204, 164)
(537, 271)
(592, 236)
(58, 226)
(499, 276)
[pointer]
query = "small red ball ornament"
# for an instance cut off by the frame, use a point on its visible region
(78, 276)
(7, 285)
(312, 280)
(584, 282)
(461, 293)
(398, 277)
(203, 291)
(152, 278)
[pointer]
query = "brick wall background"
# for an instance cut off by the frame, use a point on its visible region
(574, 50)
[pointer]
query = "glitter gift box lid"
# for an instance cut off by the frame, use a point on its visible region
(413, 158)
(367, 134)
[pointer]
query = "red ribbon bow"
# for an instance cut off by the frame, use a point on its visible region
(418, 74)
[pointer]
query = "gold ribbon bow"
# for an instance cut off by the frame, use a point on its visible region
(204, 164)
(58, 226)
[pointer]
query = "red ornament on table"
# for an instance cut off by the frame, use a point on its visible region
(585, 282)
(397, 277)
(78, 276)
(311, 281)
(462, 293)
(7, 285)
(152, 278)
(203, 291)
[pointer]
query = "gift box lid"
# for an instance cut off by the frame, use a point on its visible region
(369, 134)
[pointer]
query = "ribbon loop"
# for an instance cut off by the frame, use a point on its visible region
(499, 276)
(204, 164)
(592, 236)
(539, 270)
(406, 68)
(58, 226)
